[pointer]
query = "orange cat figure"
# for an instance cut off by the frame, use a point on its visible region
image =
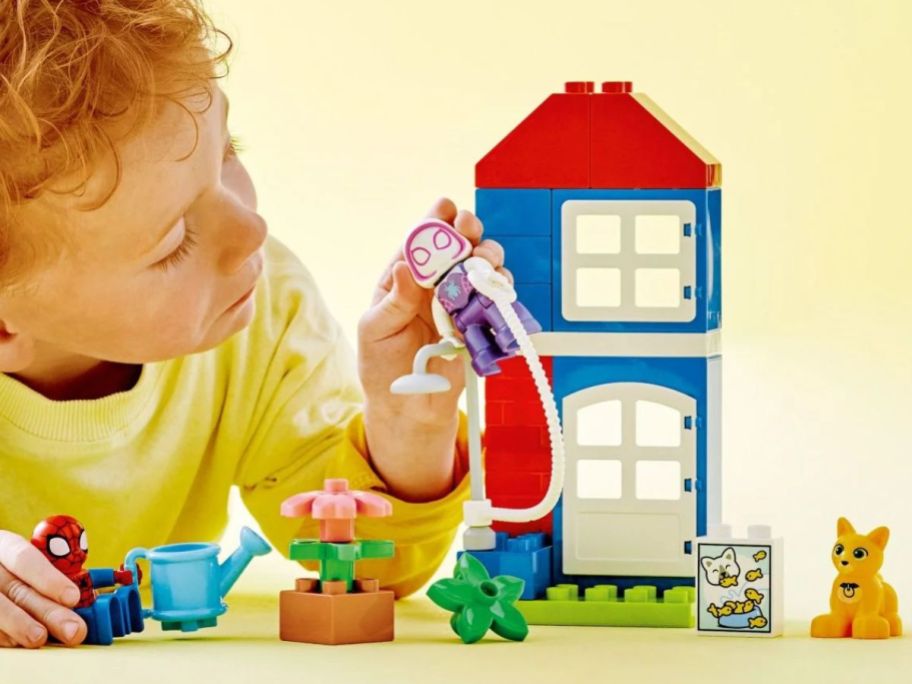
(862, 605)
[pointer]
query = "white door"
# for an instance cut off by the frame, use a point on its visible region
(629, 505)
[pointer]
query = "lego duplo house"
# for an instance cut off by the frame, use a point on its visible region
(611, 220)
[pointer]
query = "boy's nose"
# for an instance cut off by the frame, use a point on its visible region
(246, 237)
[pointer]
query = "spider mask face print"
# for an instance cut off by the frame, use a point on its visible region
(62, 539)
(432, 249)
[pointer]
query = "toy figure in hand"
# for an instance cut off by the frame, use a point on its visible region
(63, 541)
(439, 257)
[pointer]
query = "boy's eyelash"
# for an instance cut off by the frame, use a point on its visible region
(183, 250)
(179, 254)
(234, 147)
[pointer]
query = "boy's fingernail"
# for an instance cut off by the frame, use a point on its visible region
(36, 634)
(69, 630)
(70, 595)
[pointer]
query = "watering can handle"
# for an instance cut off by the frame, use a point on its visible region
(130, 564)
(130, 561)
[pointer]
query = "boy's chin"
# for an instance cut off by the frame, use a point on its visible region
(222, 329)
(230, 323)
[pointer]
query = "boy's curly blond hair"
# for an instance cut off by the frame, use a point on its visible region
(70, 70)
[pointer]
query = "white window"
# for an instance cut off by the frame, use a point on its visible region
(598, 479)
(626, 260)
(600, 424)
(658, 480)
(598, 287)
(657, 287)
(658, 425)
(598, 234)
(658, 234)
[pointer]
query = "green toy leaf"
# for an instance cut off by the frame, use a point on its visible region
(509, 588)
(470, 569)
(471, 623)
(509, 622)
(451, 594)
(479, 602)
(377, 548)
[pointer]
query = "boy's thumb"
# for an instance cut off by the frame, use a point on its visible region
(400, 305)
(407, 295)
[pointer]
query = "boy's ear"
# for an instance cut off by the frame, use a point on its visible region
(880, 536)
(843, 526)
(17, 350)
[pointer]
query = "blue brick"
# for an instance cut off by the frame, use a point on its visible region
(528, 258)
(526, 557)
(537, 299)
(514, 212)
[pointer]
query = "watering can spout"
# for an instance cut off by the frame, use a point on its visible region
(252, 545)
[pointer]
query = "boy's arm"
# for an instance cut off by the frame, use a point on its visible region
(306, 426)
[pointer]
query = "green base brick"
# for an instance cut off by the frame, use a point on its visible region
(600, 606)
(337, 560)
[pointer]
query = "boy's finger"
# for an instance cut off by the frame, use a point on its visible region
(29, 564)
(20, 626)
(491, 251)
(64, 624)
(397, 308)
(6, 641)
(443, 209)
(506, 273)
(468, 225)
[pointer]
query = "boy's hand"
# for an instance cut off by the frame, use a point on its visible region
(412, 437)
(35, 598)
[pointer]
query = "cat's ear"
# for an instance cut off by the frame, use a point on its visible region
(729, 554)
(707, 562)
(880, 536)
(843, 526)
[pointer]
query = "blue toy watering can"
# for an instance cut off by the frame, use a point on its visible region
(188, 583)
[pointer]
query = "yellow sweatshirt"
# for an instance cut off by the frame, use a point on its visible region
(273, 410)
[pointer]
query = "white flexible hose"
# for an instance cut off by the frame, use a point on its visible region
(481, 513)
(549, 500)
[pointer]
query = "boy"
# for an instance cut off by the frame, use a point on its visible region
(156, 347)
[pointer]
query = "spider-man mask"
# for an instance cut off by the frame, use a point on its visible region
(62, 539)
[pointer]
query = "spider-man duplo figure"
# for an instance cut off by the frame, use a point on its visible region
(63, 541)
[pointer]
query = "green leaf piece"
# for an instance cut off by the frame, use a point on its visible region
(479, 602)
(471, 569)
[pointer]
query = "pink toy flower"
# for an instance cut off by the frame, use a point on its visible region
(336, 507)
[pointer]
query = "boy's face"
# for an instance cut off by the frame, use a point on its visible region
(166, 267)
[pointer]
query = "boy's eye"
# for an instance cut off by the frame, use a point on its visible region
(179, 254)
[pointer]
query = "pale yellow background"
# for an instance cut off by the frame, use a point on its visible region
(356, 115)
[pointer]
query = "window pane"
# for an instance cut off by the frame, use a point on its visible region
(598, 234)
(598, 287)
(658, 480)
(657, 425)
(599, 424)
(657, 234)
(598, 479)
(658, 287)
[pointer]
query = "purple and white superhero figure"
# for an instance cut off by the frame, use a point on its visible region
(440, 258)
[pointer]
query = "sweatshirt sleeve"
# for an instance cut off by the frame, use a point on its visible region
(306, 426)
